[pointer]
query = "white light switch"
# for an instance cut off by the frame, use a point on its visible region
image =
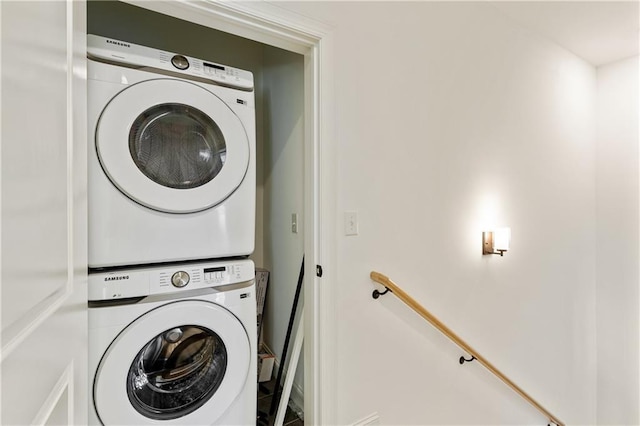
(294, 223)
(350, 223)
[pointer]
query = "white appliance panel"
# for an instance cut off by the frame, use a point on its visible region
(126, 223)
(121, 331)
(139, 282)
(130, 54)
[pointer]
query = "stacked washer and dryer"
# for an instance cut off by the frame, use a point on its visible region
(172, 309)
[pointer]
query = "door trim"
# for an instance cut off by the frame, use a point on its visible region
(64, 383)
(266, 23)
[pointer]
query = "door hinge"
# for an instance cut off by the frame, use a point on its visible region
(318, 270)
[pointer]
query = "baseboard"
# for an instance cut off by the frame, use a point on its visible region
(370, 420)
(297, 393)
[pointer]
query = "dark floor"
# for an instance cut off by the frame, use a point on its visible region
(265, 394)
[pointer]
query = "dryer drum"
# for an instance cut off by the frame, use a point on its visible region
(177, 146)
(176, 372)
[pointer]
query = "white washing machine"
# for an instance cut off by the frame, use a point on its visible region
(173, 345)
(171, 156)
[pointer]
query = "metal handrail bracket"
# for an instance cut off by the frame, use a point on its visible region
(392, 287)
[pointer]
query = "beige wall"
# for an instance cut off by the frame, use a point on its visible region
(617, 243)
(449, 118)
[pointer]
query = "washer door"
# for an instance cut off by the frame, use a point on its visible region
(181, 363)
(172, 146)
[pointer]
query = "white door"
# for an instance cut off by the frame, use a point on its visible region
(172, 146)
(43, 212)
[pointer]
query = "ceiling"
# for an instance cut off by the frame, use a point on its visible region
(600, 32)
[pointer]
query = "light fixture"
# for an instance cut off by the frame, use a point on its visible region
(496, 241)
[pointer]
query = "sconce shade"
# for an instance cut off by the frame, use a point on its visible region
(501, 239)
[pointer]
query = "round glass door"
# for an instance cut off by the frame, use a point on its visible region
(172, 146)
(184, 362)
(176, 372)
(177, 146)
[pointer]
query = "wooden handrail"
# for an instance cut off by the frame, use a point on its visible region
(409, 301)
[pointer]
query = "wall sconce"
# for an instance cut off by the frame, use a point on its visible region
(496, 241)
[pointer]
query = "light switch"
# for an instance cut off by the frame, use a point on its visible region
(350, 223)
(294, 223)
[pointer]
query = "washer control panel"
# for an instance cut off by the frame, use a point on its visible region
(120, 52)
(146, 281)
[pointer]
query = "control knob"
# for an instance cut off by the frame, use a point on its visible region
(180, 279)
(180, 62)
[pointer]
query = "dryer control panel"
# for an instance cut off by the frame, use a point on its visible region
(136, 56)
(146, 281)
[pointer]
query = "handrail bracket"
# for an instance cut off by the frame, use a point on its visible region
(376, 293)
(462, 359)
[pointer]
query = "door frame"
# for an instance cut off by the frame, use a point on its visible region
(268, 24)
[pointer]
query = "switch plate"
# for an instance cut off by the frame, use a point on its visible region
(350, 223)
(294, 223)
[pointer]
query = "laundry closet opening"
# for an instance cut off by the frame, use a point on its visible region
(279, 98)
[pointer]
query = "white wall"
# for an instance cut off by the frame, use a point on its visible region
(617, 242)
(448, 119)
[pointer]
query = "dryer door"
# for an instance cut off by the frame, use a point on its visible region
(181, 363)
(172, 146)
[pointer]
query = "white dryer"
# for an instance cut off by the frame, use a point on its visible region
(173, 345)
(171, 156)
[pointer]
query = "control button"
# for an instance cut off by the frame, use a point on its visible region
(180, 279)
(180, 62)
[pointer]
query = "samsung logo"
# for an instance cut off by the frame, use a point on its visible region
(117, 278)
(118, 43)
